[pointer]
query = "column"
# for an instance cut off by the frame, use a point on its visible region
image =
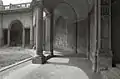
(8, 37)
(31, 36)
(1, 30)
(98, 48)
(40, 58)
(47, 32)
(51, 31)
(104, 58)
(23, 37)
(97, 35)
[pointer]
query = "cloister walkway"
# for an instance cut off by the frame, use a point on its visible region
(55, 68)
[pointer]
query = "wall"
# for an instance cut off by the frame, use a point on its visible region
(25, 18)
(116, 31)
(82, 35)
(65, 36)
(60, 38)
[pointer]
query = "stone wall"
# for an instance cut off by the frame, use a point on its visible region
(82, 36)
(60, 38)
(65, 36)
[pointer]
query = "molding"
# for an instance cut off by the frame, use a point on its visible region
(16, 11)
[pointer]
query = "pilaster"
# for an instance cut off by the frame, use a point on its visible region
(40, 58)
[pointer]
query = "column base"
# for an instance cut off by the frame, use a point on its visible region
(39, 60)
(104, 60)
(51, 52)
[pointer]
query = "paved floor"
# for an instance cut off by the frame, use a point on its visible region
(56, 68)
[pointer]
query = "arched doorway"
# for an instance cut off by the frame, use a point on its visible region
(16, 29)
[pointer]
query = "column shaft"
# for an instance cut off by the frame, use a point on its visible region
(1, 30)
(39, 30)
(23, 37)
(8, 37)
(31, 36)
(51, 31)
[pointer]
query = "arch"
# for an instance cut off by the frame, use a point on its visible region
(14, 21)
(75, 16)
(15, 33)
(68, 4)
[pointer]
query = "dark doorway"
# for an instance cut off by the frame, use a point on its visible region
(27, 36)
(16, 34)
(116, 31)
(5, 31)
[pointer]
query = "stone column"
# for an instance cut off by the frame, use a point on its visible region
(47, 32)
(8, 37)
(51, 31)
(104, 53)
(23, 37)
(98, 29)
(1, 30)
(40, 58)
(31, 36)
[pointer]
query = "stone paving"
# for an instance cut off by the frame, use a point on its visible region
(8, 50)
(56, 68)
(12, 55)
(63, 67)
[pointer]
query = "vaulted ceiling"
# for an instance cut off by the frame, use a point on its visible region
(70, 9)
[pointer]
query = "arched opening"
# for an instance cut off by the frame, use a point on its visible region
(16, 29)
(65, 27)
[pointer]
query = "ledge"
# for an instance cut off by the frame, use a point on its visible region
(16, 10)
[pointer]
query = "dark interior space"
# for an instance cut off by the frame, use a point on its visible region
(5, 31)
(116, 31)
(16, 34)
(27, 36)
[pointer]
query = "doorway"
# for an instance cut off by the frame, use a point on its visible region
(5, 31)
(16, 34)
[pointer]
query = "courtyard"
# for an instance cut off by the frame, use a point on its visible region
(55, 68)
(12, 55)
(69, 39)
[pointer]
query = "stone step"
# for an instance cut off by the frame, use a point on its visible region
(113, 73)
